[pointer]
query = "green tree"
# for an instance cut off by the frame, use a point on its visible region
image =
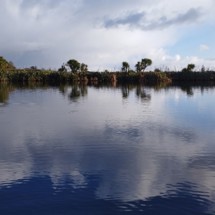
(138, 66)
(125, 66)
(84, 68)
(74, 65)
(5, 65)
(143, 64)
(189, 68)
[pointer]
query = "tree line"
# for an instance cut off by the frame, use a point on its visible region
(73, 70)
(75, 66)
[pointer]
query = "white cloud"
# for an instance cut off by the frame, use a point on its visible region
(48, 33)
(204, 47)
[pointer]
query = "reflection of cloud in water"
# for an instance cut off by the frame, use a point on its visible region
(130, 166)
(134, 158)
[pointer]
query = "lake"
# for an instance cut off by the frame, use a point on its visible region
(107, 150)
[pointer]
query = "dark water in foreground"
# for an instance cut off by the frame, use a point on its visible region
(107, 151)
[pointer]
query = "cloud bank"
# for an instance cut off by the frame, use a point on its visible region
(103, 33)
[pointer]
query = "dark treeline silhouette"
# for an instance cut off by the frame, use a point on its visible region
(75, 72)
(191, 77)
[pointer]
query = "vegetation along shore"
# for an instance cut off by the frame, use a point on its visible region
(73, 71)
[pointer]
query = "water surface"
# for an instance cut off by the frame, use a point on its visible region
(103, 150)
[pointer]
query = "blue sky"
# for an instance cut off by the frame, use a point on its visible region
(199, 40)
(103, 33)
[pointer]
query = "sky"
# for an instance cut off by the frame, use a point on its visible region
(104, 33)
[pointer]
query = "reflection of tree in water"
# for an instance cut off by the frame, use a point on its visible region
(77, 91)
(5, 90)
(63, 89)
(188, 90)
(83, 89)
(141, 93)
(73, 92)
(126, 90)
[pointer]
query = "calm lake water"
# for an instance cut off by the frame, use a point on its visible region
(126, 150)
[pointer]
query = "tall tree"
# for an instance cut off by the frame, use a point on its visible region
(74, 65)
(138, 66)
(141, 65)
(189, 68)
(125, 66)
(145, 63)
